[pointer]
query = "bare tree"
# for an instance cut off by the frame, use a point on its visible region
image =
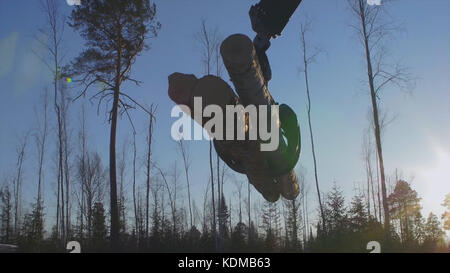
(385, 120)
(208, 39)
(82, 172)
(367, 158)
(249, 209)
(303, 205)
(122, 166)
(172, 195)
(292, 222)
(239, 183)
(41, 140)
(309, 58)
(67, 152)
(175, 213)
(152, 111)
(92, 175)
(54, 30)
(373, 29)
(304, 193)
(220, 176)
(157, 208)
(209, 42)
(18, 180)
(186, 160)
(212, 193)
(205, 205)
(229, 217)
(136, 215)
(378, 187)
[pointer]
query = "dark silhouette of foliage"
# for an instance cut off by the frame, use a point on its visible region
(404, 205)
(32, 233)
(99, 231)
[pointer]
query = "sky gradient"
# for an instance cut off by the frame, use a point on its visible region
(417, 142)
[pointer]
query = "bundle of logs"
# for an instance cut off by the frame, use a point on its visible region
(244, 156)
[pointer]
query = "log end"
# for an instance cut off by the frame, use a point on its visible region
(289, 187)
(213, 91)
(237, 51)
(180, 87)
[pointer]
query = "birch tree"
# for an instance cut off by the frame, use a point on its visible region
(373, 29)
(308, 58)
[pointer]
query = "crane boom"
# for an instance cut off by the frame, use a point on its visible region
(268, 19)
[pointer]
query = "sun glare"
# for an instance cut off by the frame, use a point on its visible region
(434, 181)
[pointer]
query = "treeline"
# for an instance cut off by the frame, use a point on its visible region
(273, 227)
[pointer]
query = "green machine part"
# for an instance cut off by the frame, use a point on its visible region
(284, 159)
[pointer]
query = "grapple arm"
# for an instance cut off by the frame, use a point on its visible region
(268, 19)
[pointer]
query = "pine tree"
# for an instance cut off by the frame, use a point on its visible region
(99, 232)
(115, 32)
(358, 214)
(223, 216)
(6, 219)
(253, 237)
(336, 211)
(293, 224)
(271, 225)
(446, 214)
(434, 235)
(418, 228)
(32, 233)
(404, 205)
(239, 238)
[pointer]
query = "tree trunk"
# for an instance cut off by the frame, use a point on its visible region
(219, 204)
(147, 194)
(311, 135)
(63, 229)
(375, 119)
(186, 172)
(306, 217)
(249, 211)
(83, 172)
(18, 186)
(41, 148)
(229, 218)
(189, 197)
(373, 198)
(368, 196)
(212, 193)
(136, 219)
(112, 174)
(378, 190)
(67, 175)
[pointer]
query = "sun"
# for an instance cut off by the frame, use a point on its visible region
(434, 181)
(439, 173)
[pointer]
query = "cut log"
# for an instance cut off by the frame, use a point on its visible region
(180, 88)
(212, 90)
(243, 156)
(240, 60)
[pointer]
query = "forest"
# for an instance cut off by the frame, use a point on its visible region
(125, 200)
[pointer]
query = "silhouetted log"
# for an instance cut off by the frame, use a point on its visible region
(240, 59)
(243, 156)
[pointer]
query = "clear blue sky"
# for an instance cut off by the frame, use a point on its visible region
(417, 142)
